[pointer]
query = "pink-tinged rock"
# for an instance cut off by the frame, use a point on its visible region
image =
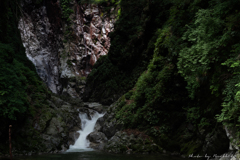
(56, 55)
(94, 29)
(93, 60)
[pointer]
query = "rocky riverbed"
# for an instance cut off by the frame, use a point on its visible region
(56, 128)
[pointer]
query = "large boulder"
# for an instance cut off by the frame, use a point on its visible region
(58, 124)
(110, 127)
(95, 106)
(73, 136)
(97, 140)
(97, 137)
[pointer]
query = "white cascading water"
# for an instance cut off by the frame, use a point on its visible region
(87, 127)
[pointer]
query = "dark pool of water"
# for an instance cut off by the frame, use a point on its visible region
(94, 155)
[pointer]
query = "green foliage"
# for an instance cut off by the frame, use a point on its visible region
(13, 98)
(230, 113)
(206, 38)
(66, 11)
(20, 88)
(152, 93)
(18, 80)
(193, 48)
(22, 93)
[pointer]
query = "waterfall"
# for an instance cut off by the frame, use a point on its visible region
(87, 127)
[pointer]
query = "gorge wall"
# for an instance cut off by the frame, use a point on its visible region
(170, 78)
(64, 49)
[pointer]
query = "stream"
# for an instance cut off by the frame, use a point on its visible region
(87, 127)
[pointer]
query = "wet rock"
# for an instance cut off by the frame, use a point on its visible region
(73, 136)
(97, 127)
(97, 146)
(99, 124)
(97, 137)
(64, 149)
(95, 106)
(101, 121)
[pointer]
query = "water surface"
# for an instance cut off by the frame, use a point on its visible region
(95, 155)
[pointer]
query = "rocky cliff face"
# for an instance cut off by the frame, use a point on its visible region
(63, 50)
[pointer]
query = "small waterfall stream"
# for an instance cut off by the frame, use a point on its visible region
(87, 125)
